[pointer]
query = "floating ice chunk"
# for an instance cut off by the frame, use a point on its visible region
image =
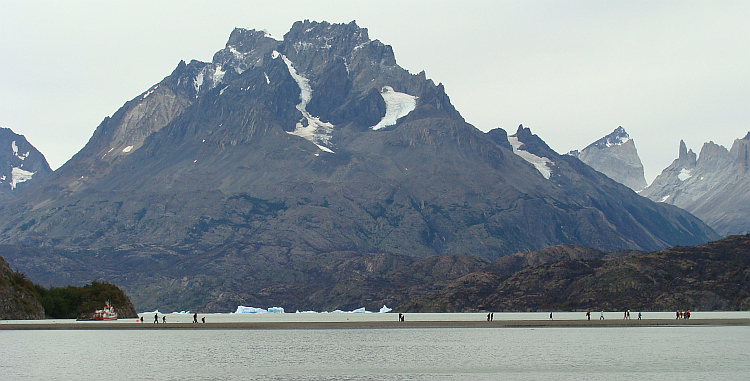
(663, 199)
(18, 175)
(397, 105)
(385, 309)
(685, 174)
(540, 163)
(127, 149)
(268, 81)
(255, 310)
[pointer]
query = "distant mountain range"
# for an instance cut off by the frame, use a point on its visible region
(257, 176)
(715, 186)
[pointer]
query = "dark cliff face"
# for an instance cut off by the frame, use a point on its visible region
(277, 152)
(17, 301)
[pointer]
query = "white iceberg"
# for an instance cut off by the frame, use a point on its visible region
(255, 310)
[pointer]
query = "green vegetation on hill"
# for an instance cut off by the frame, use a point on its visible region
(73, 302)
(21, 299)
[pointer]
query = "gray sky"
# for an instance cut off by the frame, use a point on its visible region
(572, 71)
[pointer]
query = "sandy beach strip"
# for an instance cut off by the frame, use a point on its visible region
(41, 325)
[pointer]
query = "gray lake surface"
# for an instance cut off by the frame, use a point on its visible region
(624, 353)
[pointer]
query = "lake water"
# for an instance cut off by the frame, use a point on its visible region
(633, 353)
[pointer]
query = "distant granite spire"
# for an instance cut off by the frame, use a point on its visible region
(615, 155)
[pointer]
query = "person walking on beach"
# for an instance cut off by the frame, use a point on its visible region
(195, 317)
(601, 316)
(639, 315)
(203, 319)
(488, 317)
(164, 319)
(492, 316)
(156, 318)
(588, 315)
(550, 316)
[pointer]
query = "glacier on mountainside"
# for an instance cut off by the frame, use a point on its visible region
(397, 105)
(315, 131)
(18, 176)
(540, 163)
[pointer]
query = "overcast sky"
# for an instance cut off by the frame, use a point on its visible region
(572, 71)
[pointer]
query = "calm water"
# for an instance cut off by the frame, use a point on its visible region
(638, 353)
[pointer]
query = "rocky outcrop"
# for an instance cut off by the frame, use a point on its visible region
(714, 276)
(714, 187)
(20, 164)
(17, 300)
(615, 155)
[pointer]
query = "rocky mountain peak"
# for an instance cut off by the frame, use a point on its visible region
(616, 137)
(615, 155)
(686, 158)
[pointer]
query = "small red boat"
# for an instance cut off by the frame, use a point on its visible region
(107, 313)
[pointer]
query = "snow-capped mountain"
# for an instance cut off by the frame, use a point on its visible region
(20, 163)
(715, 186)
(282, 153)
(615, 155)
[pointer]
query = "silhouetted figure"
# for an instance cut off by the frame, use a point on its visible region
(550, 316)
(492, 316)
(400, 317)
(601, 317)
(164, 319)
(195, 317)
(639, 315)
(203, 319)
(488, 317)
(141, 319)
(588, 315)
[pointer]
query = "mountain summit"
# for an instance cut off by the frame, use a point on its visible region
(615, 155)
(235, 181)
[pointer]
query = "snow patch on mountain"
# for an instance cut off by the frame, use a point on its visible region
(684, 174)
(218, 75)
(150, 91)
(397, 105)
(18, 175)
(542, 164)
(198, 82)
(14, 147)
(314, 130)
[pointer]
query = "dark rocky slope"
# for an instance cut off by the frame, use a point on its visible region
(714, 276)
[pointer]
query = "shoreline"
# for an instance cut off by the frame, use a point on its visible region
(41, 325)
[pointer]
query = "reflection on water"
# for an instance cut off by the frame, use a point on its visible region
(640, 353)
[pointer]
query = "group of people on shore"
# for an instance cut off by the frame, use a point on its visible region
(682, 314)
(164, 318)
